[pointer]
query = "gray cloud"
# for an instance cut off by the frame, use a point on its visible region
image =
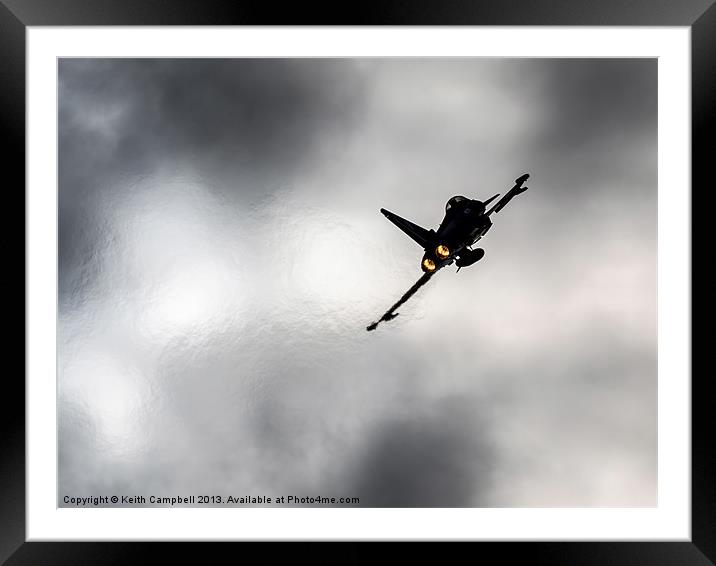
(221, 253)
(248, 125)
(436, 459)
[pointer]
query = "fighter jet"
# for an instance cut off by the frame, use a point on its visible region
(466, 221)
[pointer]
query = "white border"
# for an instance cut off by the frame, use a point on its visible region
(669, 521)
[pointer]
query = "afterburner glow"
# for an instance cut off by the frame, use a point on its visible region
(442, 251)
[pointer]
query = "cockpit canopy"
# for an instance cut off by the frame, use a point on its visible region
(453, 201)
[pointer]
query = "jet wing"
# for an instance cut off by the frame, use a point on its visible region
(512, 193)
(417, 233)
(390, 313)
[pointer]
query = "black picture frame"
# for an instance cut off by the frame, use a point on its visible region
(17, 15)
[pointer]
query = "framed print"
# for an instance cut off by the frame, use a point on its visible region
(205, 251)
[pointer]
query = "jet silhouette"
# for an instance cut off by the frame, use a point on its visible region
(466, 221)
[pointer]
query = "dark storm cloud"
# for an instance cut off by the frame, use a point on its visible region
(590, 103)
(233, 113)
(598, 121)
(438, 459)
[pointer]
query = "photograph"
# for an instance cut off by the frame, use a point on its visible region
(367, 282)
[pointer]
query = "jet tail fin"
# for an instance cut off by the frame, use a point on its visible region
(417, 233)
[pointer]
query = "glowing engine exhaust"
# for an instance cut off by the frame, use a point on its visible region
(442, 251)
(428, 265)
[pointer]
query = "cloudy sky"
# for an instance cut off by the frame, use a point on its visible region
(221, 253)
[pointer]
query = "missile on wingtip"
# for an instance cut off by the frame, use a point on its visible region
(385, 318)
